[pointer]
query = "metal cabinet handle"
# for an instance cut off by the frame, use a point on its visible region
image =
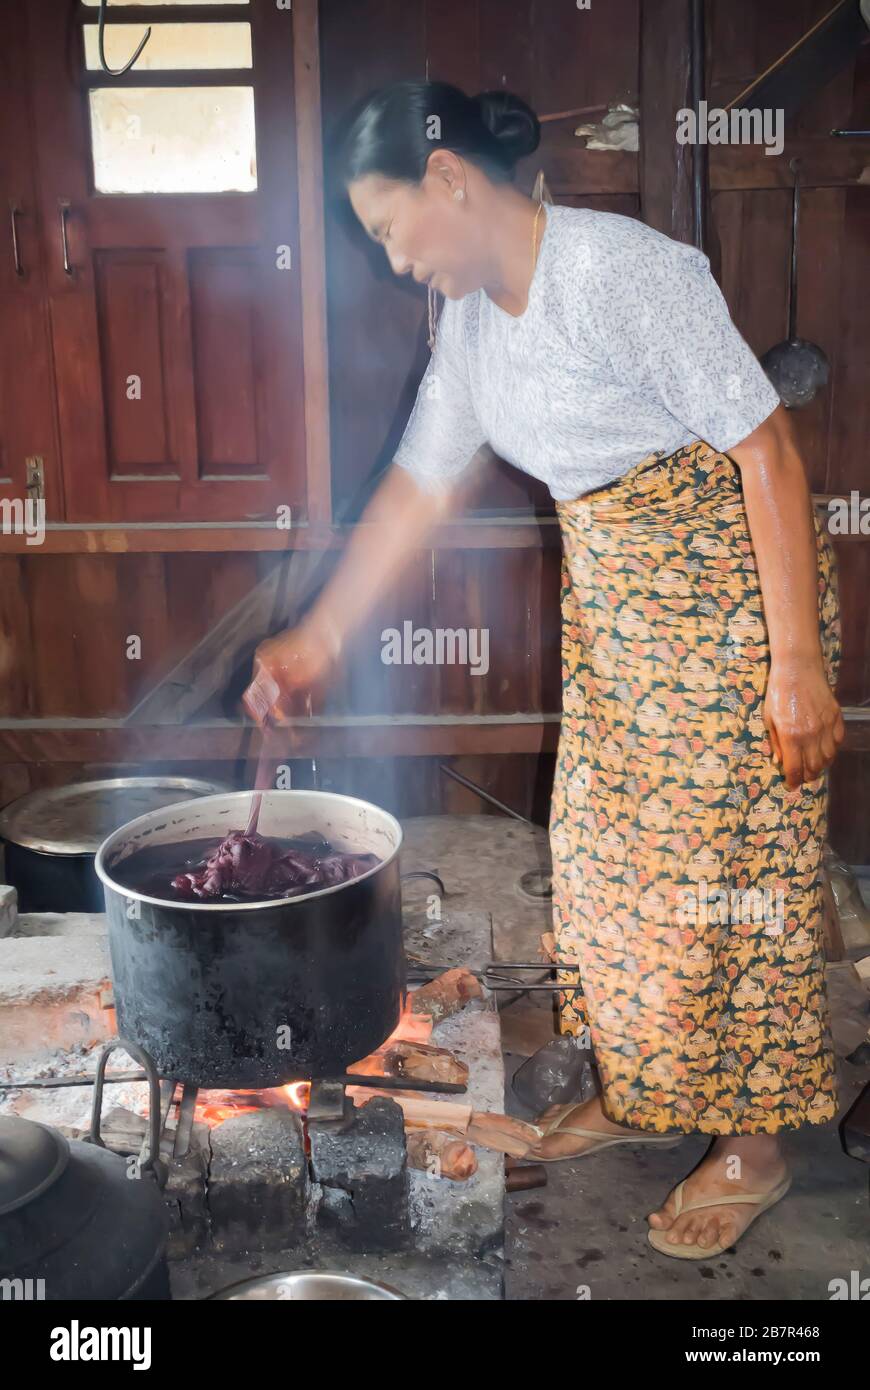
(64, 212)
(14, 210)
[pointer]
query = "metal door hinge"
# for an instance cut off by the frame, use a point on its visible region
(34, 474)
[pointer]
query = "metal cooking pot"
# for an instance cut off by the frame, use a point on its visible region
(310, 1286)
(257, 994)
(70, 1216)
(51, 836)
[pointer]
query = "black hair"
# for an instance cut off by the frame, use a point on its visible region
(396, 128)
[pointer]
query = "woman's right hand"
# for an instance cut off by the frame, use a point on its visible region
(299, 659)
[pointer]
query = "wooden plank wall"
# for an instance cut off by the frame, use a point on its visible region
(63, 619)
(751, 242)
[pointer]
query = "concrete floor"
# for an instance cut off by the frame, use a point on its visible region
(584, 1234)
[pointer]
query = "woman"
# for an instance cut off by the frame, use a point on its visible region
(700, 636)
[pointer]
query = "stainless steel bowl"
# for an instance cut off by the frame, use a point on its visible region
(306, 1286)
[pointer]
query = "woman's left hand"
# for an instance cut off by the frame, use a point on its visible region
(803, 720)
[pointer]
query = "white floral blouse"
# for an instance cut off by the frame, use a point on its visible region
(625, 348)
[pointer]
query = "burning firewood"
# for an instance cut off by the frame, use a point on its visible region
(503, 1133)
(446, 994)
(440, 1155)
(420, 1112)
(412, 1028)
(424, 1063)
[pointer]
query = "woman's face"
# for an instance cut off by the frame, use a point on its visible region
(425, 230)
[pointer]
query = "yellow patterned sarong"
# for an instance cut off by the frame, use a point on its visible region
(687, 876)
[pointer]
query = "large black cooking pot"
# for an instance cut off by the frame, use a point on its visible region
(257, 994)
(50, 836)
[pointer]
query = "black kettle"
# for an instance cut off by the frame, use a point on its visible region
(76, 1221)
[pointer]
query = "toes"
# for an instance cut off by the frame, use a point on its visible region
(662, 1219)
(685, 1233)
(702, 1231)
(709, 1233)
(677, 1231)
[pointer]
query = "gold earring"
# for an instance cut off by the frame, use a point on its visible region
(432, 317)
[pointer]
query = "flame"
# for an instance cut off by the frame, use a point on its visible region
(213, 1107)
(297, 1093)
(212, 1115)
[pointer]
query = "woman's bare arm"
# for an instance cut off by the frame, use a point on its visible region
(801, 712)
(396, 522)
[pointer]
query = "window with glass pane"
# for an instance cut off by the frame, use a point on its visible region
(173, 139)
(171, 46)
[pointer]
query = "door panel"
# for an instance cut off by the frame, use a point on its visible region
(131, 292)
(223, 291)
(176, 320)
(27, 420)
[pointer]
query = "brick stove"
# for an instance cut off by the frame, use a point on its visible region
(292, 1179)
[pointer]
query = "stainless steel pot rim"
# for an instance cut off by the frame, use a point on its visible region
(201, 802)
(39, 806)
(316, 1279)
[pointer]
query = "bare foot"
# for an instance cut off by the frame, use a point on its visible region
(589, 1115)
(752, 1163)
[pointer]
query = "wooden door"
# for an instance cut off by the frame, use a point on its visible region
(26, 391)
(169, 213)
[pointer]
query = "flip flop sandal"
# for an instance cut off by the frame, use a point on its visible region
(762, 1200)
(555, 1126)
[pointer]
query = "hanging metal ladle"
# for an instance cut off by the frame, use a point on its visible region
(101, 45)
(796, 368)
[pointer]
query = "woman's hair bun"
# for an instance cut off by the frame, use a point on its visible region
(394, 131)
(511, 120)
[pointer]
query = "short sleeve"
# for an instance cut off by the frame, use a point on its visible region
(666, 328)
(443, 432)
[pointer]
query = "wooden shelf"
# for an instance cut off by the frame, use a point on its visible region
(472, 533)
(523, 532)
(361, 736)
(350, 736)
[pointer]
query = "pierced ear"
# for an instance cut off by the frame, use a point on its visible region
(445, 170)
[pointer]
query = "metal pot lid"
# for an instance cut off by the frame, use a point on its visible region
(75, 819)
(32, 1157)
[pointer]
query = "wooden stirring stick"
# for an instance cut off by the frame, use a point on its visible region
(258, 702)
(256, 803)
(262, 778)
